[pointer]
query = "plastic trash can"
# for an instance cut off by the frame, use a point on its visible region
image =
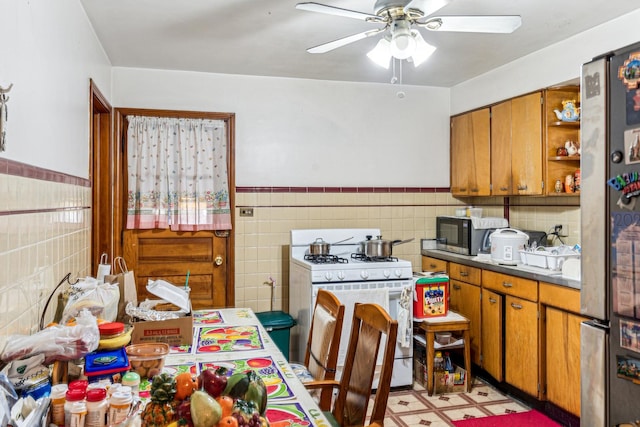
(278, 324)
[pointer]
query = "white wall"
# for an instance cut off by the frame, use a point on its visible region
(547, 67)
(295, 132)
(49, 52)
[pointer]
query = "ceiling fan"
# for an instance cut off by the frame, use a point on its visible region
(403, 41)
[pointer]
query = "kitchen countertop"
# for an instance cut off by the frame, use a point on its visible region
(520, 270)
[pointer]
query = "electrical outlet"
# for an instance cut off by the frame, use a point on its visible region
(561, 229)
(246, 211)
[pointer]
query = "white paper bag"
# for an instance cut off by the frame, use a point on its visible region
(104, 267)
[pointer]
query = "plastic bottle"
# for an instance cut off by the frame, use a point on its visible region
(438, 362)
(78, 413)
(119, 405)
(448, 366)
(132, 379)
(71, 396)
(58, 400)
(97, 408)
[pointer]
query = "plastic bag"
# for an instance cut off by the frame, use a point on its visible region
(56, 342)
(101, 299)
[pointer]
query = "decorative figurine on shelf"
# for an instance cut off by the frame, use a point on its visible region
(572, 147)
(570, 112)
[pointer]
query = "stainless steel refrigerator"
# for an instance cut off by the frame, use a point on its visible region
(610, 233)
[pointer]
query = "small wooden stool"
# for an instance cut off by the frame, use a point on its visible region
(452, 322)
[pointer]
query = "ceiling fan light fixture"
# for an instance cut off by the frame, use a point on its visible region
(403, 44)
(423, 49)
(381, 54)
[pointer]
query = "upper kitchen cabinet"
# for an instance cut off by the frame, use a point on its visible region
(516, 146)
(471, 154)
(562, 137)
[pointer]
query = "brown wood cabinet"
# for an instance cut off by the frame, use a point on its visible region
(521, 344)
(464, 288)
(561, 344)
(491, 330)
(470, 154)
(433, 264)
(557, 133)
(516, 146)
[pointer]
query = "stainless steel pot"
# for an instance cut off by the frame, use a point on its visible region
(379, 248)
(320, 247)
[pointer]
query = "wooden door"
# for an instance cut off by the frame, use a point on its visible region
(501, 149)
(470, 154)
(465, 299)
(521, 344)
(526, 143)
(169, 255)
(563, 359)
(492, 336)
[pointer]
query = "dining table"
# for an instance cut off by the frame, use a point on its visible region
(235, 339)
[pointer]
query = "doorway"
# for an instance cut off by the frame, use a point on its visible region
(206, 256)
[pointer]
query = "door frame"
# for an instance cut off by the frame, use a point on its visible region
(119, 179)
(101, 154)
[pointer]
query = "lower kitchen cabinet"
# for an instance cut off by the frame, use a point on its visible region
(433, 264)
(521, 344)
(561, 344)
(464, 298)
(491, 332)
(563, 359)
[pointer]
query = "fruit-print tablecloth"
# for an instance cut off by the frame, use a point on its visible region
(235, 339)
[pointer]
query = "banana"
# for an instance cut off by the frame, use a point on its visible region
(115, 342)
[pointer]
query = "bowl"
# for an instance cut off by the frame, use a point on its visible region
(147, 360)
(443, 338)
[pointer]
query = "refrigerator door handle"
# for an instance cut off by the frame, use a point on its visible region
(594, 347)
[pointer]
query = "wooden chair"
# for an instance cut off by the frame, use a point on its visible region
(370, 323)
(323, 343)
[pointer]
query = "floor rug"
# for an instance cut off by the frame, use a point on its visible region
(521, 419)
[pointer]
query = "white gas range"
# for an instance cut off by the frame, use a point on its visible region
(350, 275)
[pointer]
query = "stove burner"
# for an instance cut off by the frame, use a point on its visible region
(363, 257)
(325, 259)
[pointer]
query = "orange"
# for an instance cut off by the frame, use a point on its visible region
(185, 385)
(228, 421)
(226, 403)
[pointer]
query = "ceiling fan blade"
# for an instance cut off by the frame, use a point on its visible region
(326, 47)
(473, 24)
(427, 7)
(338, 11)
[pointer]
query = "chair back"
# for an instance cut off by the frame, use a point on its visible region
(323, 342)
(370, 323)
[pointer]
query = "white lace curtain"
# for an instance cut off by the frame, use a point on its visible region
(177, 173)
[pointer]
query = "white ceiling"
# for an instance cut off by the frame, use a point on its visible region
(270, 37)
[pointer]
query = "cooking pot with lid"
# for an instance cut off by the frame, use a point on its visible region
(379, 248)
(506, 244)
(320, 247)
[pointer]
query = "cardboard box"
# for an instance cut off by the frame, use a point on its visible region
(447, 382)
(431, 297)
(175, 332)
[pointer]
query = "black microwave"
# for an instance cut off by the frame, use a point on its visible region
(458, 235)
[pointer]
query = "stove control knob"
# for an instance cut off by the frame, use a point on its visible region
(398, 273)
(341, 275)
(364, 274)
(328, 275)
(386, 274)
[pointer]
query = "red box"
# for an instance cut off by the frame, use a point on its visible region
(431, 297)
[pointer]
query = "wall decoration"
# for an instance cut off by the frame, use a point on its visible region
(4, 116)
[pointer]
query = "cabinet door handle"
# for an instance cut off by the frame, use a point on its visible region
(432, 265)
(493, 300)
(516, 306)
(464, 274)
(507, 284)
(504, 188)
(463, 189)
(474, 190)
(457, 287)
(522, 187)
